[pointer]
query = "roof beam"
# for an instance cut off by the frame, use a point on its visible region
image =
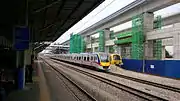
(56, 20)
(47, 6)
(77, 6)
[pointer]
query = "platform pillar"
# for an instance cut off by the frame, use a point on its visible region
(20, 69)
(28, 62)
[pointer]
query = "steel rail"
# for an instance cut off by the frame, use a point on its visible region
(72, 82)
(171, 88)
(131, 90)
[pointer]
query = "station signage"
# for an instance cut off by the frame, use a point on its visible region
(21, 38)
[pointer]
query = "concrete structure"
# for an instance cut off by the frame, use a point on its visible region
(125, 14)
(170, 36)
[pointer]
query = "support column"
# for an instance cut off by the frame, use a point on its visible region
(106, 49)
(93, 49)
(87, 39)
(148, 26)
(163, 52)
(176, 46)
(107, 37)
(107, 33)
(28, 61)
(20, 69)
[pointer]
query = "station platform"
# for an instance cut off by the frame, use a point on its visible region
(31, 91)
(153, 78)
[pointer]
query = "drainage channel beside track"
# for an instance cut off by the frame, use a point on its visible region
(139, 93)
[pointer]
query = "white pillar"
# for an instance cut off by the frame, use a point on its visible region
(106, 49)
(176, 46)
(93, 49)
(148, 26)
(163, 53)
(107, 34)
(87, 39)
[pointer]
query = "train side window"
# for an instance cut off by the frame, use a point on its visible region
(88, 58)
(95, 58)
(91, 57)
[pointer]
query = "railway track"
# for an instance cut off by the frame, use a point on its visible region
(133, 91)
(174, 89)
(171, 88)
(91, 98)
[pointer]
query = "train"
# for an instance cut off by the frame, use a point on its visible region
(116, 59)
(100, 61)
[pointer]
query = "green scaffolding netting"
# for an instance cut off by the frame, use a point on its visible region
(157, 49)
(137, 37)
(77, 44)
(101, 41)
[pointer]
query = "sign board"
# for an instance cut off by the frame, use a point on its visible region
(21, 38)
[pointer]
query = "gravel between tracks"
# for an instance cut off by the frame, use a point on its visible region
(153, 78)
(101, 91)
(169, 95)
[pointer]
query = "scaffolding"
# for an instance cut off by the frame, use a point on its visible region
(101, 41)
(137, 37)
(83, 45)
(77, 44)
(112, 35)
(157, 47)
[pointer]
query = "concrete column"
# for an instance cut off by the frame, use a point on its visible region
(148, 47)
(163, 53)
(87, 39)
(93, 49)
(176, 46)
(106, 49)
(148, 26)
(117, 49)
(107, 33)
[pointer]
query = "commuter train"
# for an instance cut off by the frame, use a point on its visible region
(116, 59)
(99, 61)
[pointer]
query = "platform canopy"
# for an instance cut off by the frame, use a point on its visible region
(47, 19)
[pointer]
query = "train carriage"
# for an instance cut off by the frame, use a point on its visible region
(100, 61)
(116, 59)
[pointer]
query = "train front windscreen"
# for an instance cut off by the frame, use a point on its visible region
(104, 57)
(116, 57)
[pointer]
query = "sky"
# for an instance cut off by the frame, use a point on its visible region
(103, 10)
(107, 8)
